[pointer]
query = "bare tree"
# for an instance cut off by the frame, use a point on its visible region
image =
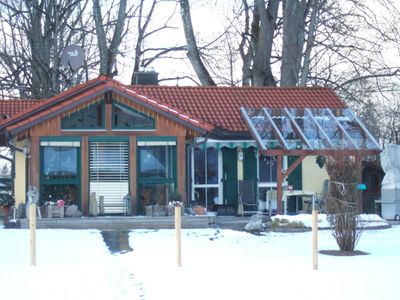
(33, 35)
(193, 50)
(145, 55)
(108, 51)
(264, 33)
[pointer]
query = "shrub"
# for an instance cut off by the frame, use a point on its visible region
(341, 206)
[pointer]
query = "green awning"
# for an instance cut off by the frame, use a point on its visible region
(231, 144)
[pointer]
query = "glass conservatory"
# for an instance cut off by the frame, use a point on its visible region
(308, 131)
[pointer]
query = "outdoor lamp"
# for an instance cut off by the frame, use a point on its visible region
(33, 195)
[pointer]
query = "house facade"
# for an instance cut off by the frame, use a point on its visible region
(110, 140)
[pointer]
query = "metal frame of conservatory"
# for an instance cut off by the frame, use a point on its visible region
(309, 131)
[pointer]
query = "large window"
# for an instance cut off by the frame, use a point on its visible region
(267, 168)
(109, 172)
(60, 163)
(156, 162)
(156, 172)
(205, 174)
(126, 118)
(88, 118)
(267, 174)
(60, 175)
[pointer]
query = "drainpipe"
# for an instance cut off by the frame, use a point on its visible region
(189, 164)
(10, 144)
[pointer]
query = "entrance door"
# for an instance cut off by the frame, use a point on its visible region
(229, 169)
(109, 174)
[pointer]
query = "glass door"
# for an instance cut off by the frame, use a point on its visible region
(206, 188)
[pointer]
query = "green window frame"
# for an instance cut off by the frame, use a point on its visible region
(87, 118)
(127, 118)
(60, 155)
(158, 185)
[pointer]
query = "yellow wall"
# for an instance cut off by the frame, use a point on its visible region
(19, 182)
(313, 175)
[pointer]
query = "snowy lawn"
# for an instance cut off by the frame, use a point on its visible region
(217, 264)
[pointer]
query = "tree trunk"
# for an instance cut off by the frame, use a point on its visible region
(193, 51)
(315, 6)
(262, 72)
(108, 54)
(294, 12)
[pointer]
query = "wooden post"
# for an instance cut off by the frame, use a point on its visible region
(178, 235)
(358, 162)
(315, 238)
(279, 179)
(32, 227)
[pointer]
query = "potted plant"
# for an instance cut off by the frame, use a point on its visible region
(175, 200)
(6, 201)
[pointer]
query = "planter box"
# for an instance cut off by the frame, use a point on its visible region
(156, 210)
(161, 210)
(54, 211)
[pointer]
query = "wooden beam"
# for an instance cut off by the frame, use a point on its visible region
(358, 162)
(293, 166)
(279, 189)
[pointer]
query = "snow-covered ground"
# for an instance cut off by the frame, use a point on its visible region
(216, 264)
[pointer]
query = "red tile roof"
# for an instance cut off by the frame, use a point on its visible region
(202, 107)
(12, 107)
(220, 106)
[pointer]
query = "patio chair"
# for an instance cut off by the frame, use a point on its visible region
(247, 197)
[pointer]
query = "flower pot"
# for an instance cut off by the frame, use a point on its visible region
(199, 210)
(5, 211)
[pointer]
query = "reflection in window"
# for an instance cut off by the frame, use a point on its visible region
(155, 194)
(86, 118)
(206, 188)
(125, 117)
(60, 162)
(156, 161)
(268, 168)
(55, 192)
(156, 175)
(60, 174)
(206, 166)
(206, 197)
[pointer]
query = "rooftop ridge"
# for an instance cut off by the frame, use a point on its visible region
(141, 86)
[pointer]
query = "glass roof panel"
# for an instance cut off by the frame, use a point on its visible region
(287, 129)
(358, 133)
(332, 129)
(313, 133)
(308, 129)
(264, 128)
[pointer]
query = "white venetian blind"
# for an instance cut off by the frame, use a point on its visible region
(109, 173)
